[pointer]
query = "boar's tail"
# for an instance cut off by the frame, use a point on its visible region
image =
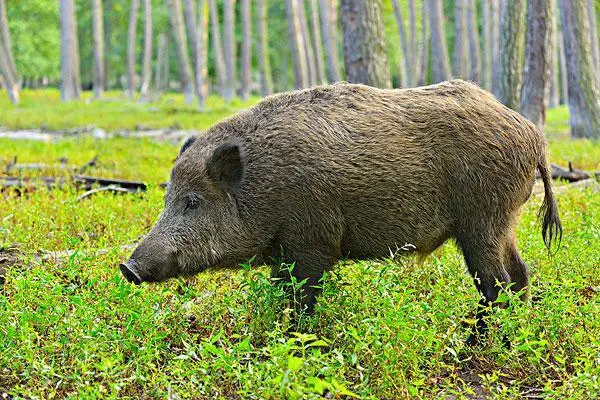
(551, 226)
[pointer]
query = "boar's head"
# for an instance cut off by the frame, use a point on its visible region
(200, 226)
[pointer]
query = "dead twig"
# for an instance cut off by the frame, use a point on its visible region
(110, 188)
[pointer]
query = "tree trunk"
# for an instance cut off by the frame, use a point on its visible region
(6, 44)
(98, 44)
(229, 49)
(440, 63)
(461, 55)
(217, 45)
(553, 96)
(584, 94)
(562, 62)
(308, 45)
(474, 49)
(412, 23)
(193, 28)
(425, 38)
(181, 46)
(297, 44)
(203, 26)
(246, 49)
(536, 74)
(316, 29)
(262, 48)
(108, 11)
(131, 47)
(201, 70)
(333, 69)
(406, 69)
(8, 70)
(70, 88)
(364, 43)
(591, 12)
(486, 46)
(162, 64)
(147, 59)
(495, 44)
(512, 39)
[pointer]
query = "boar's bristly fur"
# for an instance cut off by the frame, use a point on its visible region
(353, 171)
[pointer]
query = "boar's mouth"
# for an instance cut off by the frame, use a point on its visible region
(128, 269)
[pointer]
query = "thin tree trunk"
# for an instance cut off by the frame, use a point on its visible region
(246, 49)
(147, 60)
(262, 48)
(70, 87)
(584, 94)
(495, 44)
(98, 44)
(412, 15)
(406, 69)
(201, 50)
(8, 70)
(536, 74)
(364, 43)
(333, 69)
(297, 44)
(424, 42)
(203, 26)
(440, 62)
(189, 11)
(554, 98)
(308, 45)
(6, 43)
(461, 55)
(9, 85)
(562, 60)
(486, 46)
(191, 22)
(181, 46)
(217, 45)
(474, 49)
(162, 64)
(108, 11)
(229, 48)
(512, 40)
(131, 47)
(316, 29)
(591, 12)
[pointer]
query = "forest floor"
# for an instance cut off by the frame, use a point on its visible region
(70, 325)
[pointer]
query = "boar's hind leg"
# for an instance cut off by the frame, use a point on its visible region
(517, 269)
(483, 255)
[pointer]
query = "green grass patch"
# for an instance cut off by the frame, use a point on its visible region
(114, 112)
(72, 327)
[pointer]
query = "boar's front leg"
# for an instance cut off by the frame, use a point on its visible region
(309, 265)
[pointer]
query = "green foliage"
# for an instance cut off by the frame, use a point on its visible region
(73, 327)
(35, 34)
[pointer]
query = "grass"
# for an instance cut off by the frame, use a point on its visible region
(43, 109)
(72, 327)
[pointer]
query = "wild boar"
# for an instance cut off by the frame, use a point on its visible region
(354, 171)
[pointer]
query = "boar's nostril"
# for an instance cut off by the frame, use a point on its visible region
(129, 274)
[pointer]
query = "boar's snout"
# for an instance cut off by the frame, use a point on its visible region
(129, 270)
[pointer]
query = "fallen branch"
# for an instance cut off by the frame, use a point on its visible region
(111, 188)
(538, 189)
(571, 174)
(80, 181)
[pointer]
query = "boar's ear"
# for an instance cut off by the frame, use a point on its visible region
(188, 142)
(225, 167)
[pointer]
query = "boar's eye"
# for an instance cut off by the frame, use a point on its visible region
(192, 202)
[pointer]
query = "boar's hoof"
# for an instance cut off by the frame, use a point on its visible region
(129, 273)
